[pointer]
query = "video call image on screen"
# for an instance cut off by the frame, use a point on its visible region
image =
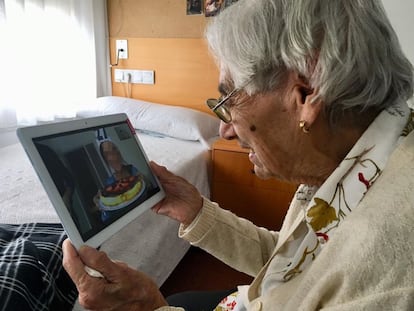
(100, 173)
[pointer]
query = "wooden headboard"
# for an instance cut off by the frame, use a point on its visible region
(185, 73)
(161, 37)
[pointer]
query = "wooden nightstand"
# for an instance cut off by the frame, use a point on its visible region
(235, 187)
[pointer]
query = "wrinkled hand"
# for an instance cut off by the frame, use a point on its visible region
(182, 202)
(123, 288)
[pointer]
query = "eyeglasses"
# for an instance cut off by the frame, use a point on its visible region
(218, 107)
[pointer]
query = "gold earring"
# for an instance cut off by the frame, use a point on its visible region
(302, 125)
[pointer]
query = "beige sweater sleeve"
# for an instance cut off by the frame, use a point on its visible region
(234, 240)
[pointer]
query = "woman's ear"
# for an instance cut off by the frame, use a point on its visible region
(311, 107)
(308, 103)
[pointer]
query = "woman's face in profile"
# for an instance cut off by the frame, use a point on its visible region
(112, 155)
(267, 124)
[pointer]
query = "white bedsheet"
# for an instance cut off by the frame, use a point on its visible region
(150, 243)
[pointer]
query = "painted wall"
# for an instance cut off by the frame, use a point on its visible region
(400, 13)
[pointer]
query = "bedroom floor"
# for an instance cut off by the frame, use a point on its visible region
(199, 270)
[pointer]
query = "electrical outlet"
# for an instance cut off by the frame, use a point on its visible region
(134, 76)
(122, 47)
(128, 76)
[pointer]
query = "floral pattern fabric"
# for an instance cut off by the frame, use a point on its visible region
(348, 184)
(326, 207)
(229, 303)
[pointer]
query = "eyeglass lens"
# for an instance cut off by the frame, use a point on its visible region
(222, 112)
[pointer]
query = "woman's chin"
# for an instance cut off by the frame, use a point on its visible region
(262, 173)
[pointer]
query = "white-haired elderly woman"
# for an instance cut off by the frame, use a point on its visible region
(317, 90)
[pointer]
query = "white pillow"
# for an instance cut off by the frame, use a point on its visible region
(173, 121)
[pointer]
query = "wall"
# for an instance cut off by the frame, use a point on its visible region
(161, 37)
(400, 13)
(153, 19)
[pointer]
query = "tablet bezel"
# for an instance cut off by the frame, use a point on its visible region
(27, 135)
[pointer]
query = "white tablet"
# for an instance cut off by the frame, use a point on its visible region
(95, 173)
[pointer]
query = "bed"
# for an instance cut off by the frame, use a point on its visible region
(176, 137)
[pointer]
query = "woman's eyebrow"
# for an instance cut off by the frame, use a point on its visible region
(223, 88)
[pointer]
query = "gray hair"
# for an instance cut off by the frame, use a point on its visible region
(345, 49)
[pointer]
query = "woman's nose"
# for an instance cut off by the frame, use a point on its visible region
(227, 131)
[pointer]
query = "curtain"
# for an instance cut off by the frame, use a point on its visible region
(54, 57)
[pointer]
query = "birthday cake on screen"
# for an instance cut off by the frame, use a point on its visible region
(121, 193)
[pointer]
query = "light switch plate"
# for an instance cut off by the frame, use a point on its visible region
(148, 76)
(119, 75)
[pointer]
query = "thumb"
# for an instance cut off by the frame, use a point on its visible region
(99, 261)
(160, 171)
(154, 166)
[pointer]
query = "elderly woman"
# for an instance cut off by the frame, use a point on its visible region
(317, 90)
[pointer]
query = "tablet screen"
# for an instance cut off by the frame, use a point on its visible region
(100, 172)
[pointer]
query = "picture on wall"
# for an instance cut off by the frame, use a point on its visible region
(194, 7)
(212, 7)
